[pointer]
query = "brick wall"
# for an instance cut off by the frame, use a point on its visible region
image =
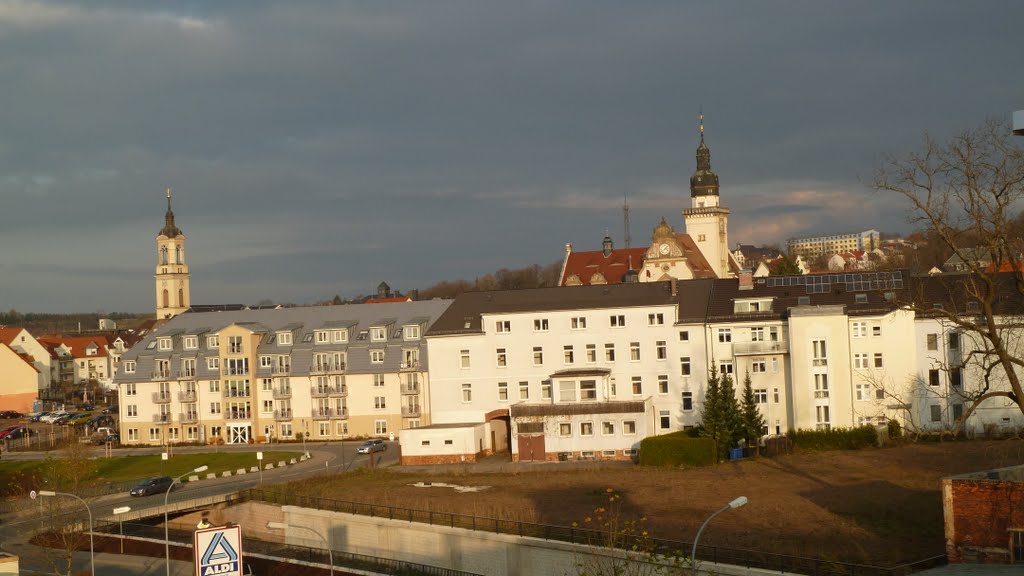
(979, 515)
(437, 459)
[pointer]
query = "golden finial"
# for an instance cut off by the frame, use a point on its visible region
(702, 124)
(168, 192)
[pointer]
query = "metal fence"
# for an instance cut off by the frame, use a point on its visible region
(667, 548)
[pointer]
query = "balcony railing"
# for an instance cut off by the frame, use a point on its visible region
(340, 391)
(161, 397)
(325, 391)
(237, 415)
(279, 369)
(411, 411)
(760, 347)
(321, 413)
(821, 393)
(189, 417)
(187, 396)
(237, 392)
(283, 414)
(327, 367)
(187, 374)
(235, 371)
(410, 388)
(340, 413)
(819, 362)
(161, 418)
(281, 393)
(161, 374)
(409, 366)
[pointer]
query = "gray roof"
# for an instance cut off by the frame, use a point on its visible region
(302, 320)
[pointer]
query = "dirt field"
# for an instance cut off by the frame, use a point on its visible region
(876, 506)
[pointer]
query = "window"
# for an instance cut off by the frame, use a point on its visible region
(876, 329)
(663, 384)
(860, 361)
(568, 354)
(503, 326)
(540, 325)
(634, 351)
(411, 332)
(566, 391)
(617, 321)
(956, 377)
(215, 386)
(538, 356)
(664, 419)
(628, 427)
(586, 428)
(660, 350)
(821, 385)
(564, 429)
(266, 361)
(323, 337)
(154, 434)
(380, 427)
(378, 334)
(378, 380)
(464, 359)
(234, 344)
(758, 366)
(503, 391)
(775, 395)
(958, 413)
(933, 341)
(863, 391)
(656, 319)
(936, 413)
(467, 392)
(609, 352)
(973, 306)
(607, 428)
(524, 390)
(687, 401)
(267, 384)
(591, 353)
(933, 377)
(545, 389)
(860, 329)
(878, 359)
(638, 386)
(342, 335)
(578, 323)
(684, 335)
(213, 363)
(376, 356)
(761, 395)
(284, 338)
(860, 298)
(803, 300)
(724, 335)
(131, 411)
(268, 406)
(819, 353)
(190, 342)
(725, 367)
(129, 366)
(757, 334)
(823, 417)
(165, 344)
(954, 340)
(684, 365)
(502, 358)
(588, 390)
(379, 402)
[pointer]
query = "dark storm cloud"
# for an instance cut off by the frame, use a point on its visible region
(320, 147)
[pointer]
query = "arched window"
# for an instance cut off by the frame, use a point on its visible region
(167, 298)
(163, 255)
(181, 297)
(177, 255)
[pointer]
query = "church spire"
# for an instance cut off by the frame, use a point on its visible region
(704, 181)
(169, 229)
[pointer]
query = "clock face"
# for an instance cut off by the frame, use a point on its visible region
(664, 249)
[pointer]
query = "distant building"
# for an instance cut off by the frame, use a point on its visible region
(814, 246)
(173, 295)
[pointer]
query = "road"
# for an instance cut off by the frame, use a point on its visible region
(324, 458)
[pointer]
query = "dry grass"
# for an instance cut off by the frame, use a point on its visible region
(878, 506)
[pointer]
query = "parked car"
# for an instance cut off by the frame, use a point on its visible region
(7, 430)
(100, 420)
(37, 416)
(371, 446)
(15, 433)
(10, 414)
(87, 407)
(149, 486)
(80, 418)
(51, 417)
(113, 438)
(111, 409)
(63, 419)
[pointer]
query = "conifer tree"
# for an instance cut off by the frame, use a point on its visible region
(731, 416)
(712, 416)
(752, 421)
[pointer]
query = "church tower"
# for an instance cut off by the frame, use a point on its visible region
(707, 222)
(172, 289)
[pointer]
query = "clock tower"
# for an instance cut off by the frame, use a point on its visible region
(172, 279)
(706, 221)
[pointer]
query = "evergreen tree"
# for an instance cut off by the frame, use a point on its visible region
(750, 415)
(711, 415)
(731, 415)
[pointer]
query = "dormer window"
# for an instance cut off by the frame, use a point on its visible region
(190, 342)
(323, 337)
(284, 338)
(165, 344)
(411, 332)
(129, 366)
(363, 335)
(752, 306)
(90, 351)
(213, 342)
(339, 335)
(378, 334)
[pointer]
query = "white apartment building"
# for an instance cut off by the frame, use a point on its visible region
(812, 246)
(253, 375)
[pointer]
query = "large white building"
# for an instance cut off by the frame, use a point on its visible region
(813, 246)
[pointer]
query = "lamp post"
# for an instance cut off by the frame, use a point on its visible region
(283, 526)
(120, 525)
(741, 501)
(167, 536)
(92, 558)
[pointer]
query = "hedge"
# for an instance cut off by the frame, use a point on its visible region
(834, 438)
(677, 449)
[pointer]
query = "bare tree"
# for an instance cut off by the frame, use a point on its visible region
(966, 193)
(72, 471)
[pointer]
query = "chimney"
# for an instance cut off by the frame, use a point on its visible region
(746, 278)
(675, 288)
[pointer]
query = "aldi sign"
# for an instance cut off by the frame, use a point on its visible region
(218, 551)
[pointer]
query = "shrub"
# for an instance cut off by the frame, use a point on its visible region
(895, 431)
(677, 449)
(834, 438)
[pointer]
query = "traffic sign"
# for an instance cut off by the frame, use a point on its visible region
(218, 551)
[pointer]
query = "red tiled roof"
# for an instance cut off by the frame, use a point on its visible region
(613, 267)
(7, 335)
(77, 344)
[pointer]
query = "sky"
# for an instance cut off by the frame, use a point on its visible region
(319, 148)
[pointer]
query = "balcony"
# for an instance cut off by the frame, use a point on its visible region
(340, 414)
(189, 417)
(187, 396)
(162, 374)
(819, 362)
(161, 418)
(237, 415)
(283, 414)
(412, 411)
(321, 413)
(409, 366)
(187, 374)
(282, 393)
(282, 370)
(761, 347)
(237, 392)
(338, 391)
(235, 371)
(325, 391)
(821, 393)
(161, 397)
(413, 388)
(329, 367)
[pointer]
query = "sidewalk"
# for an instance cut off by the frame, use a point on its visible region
(974, 570)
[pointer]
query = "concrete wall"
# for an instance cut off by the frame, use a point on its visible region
(979, 515)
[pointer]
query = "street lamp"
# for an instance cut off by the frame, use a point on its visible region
(92, 558)
(283, 526)
(120, 524)
(741, 501)
(167, 537)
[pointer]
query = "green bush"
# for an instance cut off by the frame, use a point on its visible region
(895, 431)
(677, 449)
(834, 438)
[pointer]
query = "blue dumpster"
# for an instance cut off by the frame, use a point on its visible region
(735, 453)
